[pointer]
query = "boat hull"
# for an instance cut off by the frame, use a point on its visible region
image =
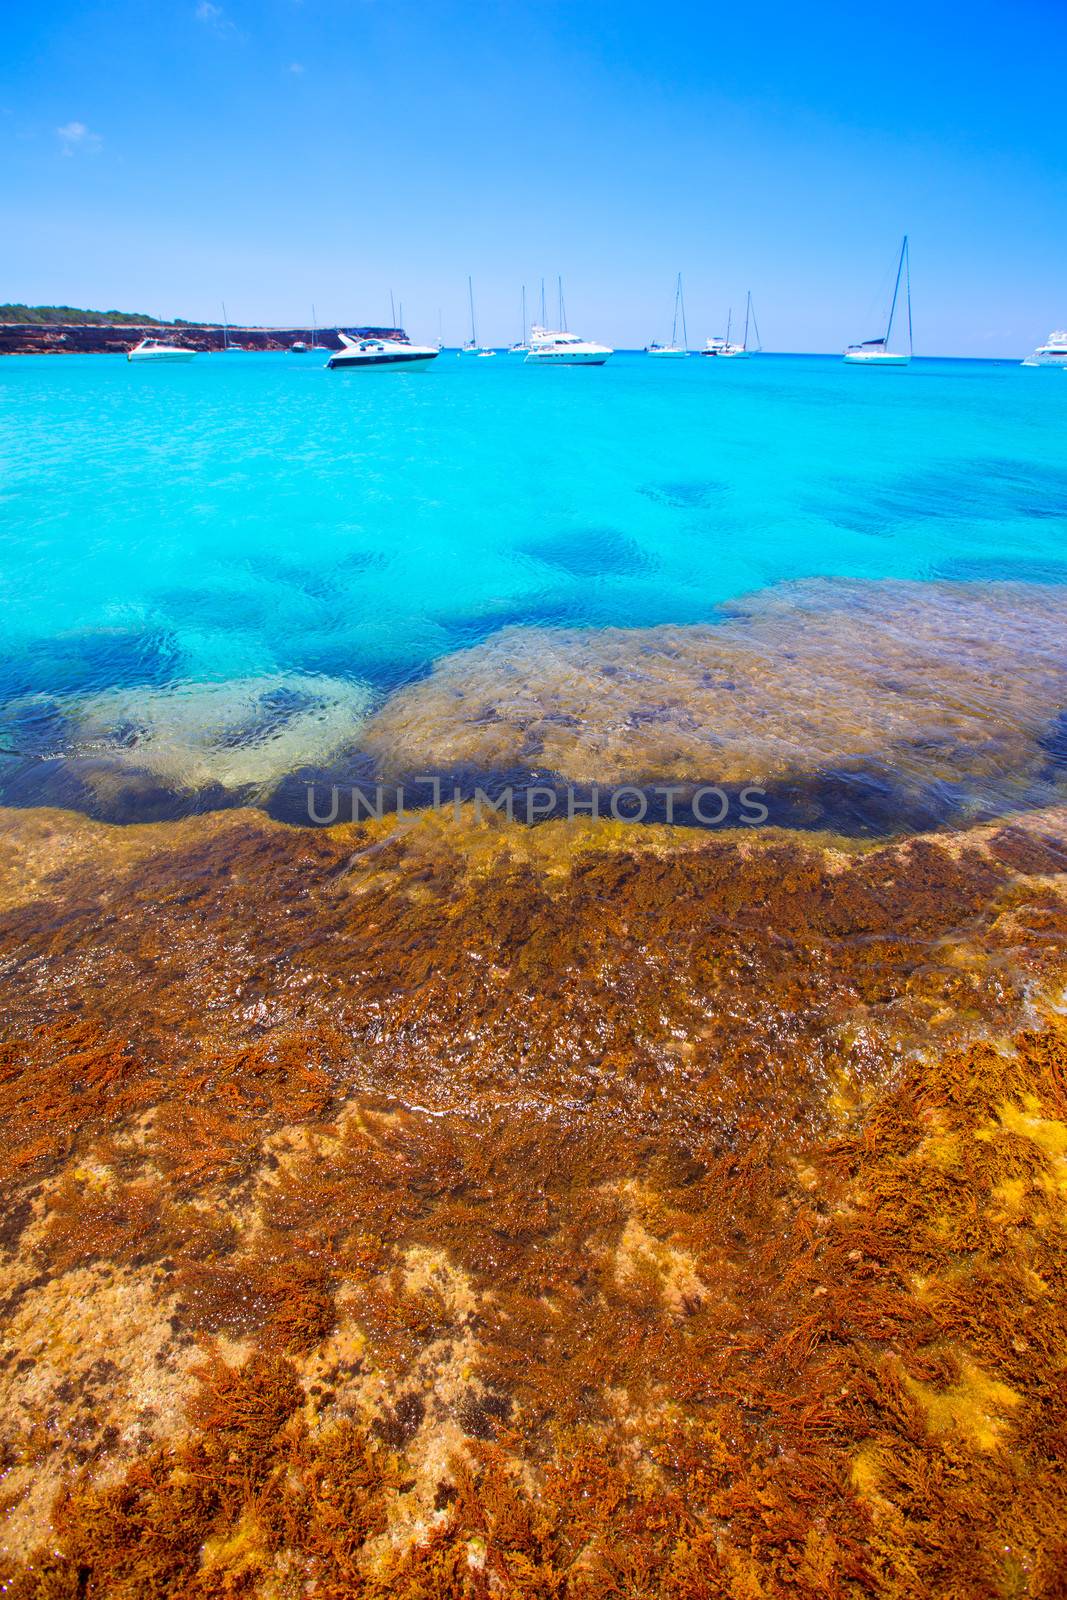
(880, 358)
(561, 358)
(1056, 359)
(160, 357)
(345, 361)
(668, 355)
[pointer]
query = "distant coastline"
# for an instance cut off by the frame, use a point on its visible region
(115, 333)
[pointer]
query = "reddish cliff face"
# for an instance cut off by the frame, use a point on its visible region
(54, 338)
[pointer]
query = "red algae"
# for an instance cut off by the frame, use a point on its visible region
(570, 1212)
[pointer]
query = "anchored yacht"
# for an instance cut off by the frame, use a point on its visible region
(565, 350)
(674, 350)
(381, 353)
(472, 347)
(1053, 353)
(877, 352)
(156, 350)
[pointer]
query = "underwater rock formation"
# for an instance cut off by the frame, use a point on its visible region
(949, 694)
(461, 1209)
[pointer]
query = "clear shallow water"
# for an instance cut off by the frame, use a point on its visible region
(255, 521)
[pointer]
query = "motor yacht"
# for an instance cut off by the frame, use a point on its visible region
(156, 350)
(379, 352)
(565, 350)
(877, 352)
(299, 348)
(1053, 353)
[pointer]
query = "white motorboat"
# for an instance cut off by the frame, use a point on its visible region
(712, 347)
(877, 352)
(1053, 353)
(156, 350)
(673, 351)
(550, 349)
(299, 348)
(380, 352)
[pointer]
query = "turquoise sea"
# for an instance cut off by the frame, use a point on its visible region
(256, 526)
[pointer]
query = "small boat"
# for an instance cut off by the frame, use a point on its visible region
(564, 350)
(315, 345)
(877, 352)
(381, 353)
(521, 348)
(299, 348)
(156, 350)
(228, 347)
(472, 347)
(1053, 353)
(674, 350)
(740, 351)
(712, 347)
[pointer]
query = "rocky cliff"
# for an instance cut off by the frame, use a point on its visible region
(28, 338)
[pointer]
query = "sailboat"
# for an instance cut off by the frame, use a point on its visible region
(472, 347)
(227, 346)
(876, 352)
(736, 351)
(315, 345)
(521, 348)
(674, 349)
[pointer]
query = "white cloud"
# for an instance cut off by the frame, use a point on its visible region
(76, 136)
(214, 17)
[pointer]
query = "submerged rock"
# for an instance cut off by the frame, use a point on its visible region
(480, 1209)
(944, 696)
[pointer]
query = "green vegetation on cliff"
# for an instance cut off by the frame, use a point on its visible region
(71, 314)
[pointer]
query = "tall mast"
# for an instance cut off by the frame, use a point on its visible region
(314, 329)
(729, 321)
(225, 328)
(542, 302)
(907, 279)
(392, 308)
(674, 324)
(748, 313)
(524, 313)
(470, 292)
(681, 302)
(562, 312)
(896, 289)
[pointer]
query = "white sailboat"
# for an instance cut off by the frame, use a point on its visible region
(674, 350)
(741, 351)
(877, 352)
(227, 345)
(472, 347)
(521, 348)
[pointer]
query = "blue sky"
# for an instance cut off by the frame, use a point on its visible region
(167, 156)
